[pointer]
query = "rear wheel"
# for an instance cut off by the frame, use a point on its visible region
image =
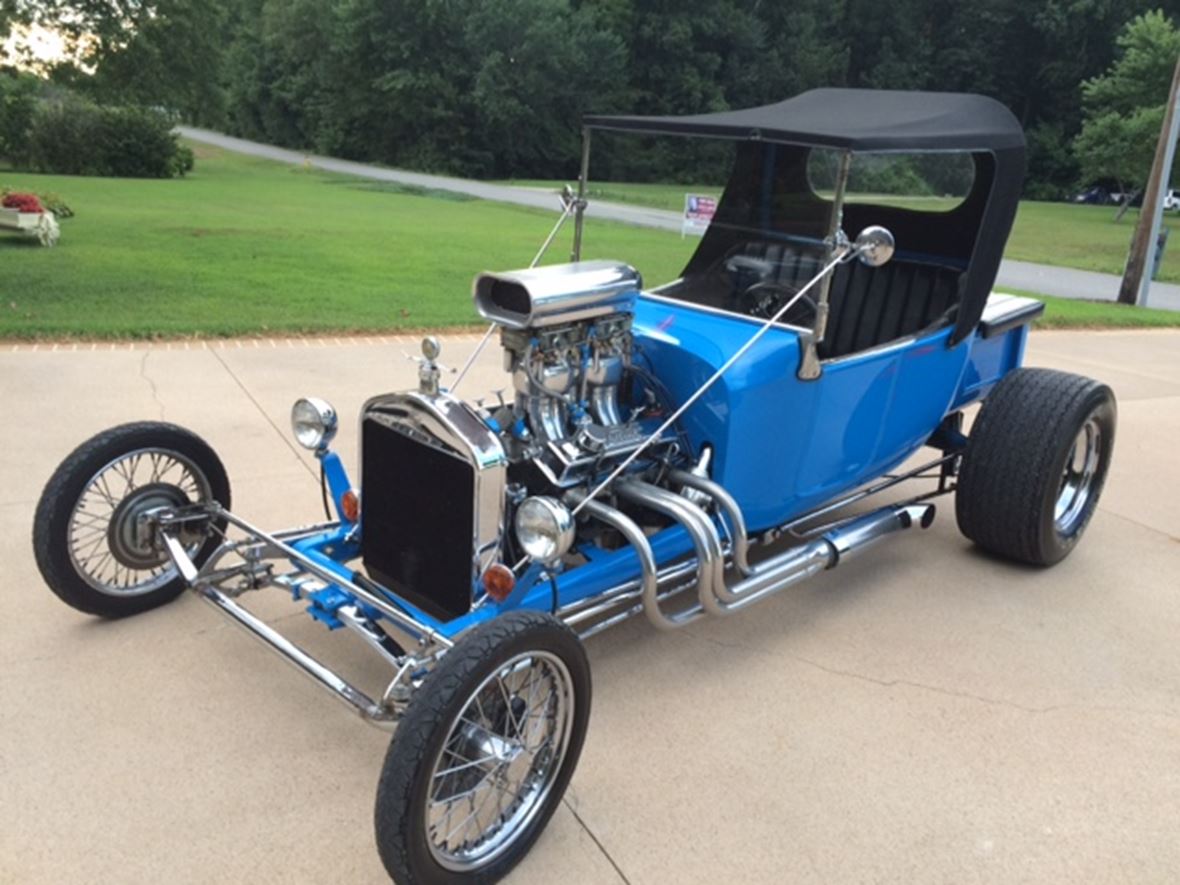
(1035, 464)
(87, 531)
(484, 753)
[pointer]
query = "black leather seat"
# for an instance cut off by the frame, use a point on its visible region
(869, 305)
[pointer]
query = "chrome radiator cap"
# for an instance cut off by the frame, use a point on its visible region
(559, 293)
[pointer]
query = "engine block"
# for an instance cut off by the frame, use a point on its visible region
(568, 347)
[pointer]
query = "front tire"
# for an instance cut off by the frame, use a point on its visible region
(84, 537)
(484, 753)
(1035, 465)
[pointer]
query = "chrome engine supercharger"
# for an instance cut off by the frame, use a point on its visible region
(568, 347)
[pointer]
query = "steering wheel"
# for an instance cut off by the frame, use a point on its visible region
(767, 298)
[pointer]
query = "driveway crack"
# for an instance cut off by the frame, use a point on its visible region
(151, 383)
(601, 847)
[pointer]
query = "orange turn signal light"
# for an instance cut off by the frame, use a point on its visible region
(498, 581)
(350, 505)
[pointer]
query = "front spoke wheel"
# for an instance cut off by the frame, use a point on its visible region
(484, 752)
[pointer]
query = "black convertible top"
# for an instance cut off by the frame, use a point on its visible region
(852, 119)
(768, 187)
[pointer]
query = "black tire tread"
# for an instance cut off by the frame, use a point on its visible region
(431, 709)
(64, 486)
(1011, 452)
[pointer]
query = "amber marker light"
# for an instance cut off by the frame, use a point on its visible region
(498, 580)
(350, 505)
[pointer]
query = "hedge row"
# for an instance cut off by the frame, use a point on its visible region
(69, 135)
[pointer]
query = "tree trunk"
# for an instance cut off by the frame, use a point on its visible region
(1130, 198)
(1142, 246)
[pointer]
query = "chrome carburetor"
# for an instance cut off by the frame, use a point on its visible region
(566, 334)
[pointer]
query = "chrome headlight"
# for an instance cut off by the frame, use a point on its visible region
(313, 422)
(544, 527)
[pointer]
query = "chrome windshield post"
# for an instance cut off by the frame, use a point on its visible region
(809, 365)
(580, 204)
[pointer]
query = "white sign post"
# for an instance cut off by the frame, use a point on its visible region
(698, 214)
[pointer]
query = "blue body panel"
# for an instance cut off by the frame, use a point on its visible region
(782, 446)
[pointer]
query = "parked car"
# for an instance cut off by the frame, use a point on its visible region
(1172, 200)
(679, 452)
(1094, 196)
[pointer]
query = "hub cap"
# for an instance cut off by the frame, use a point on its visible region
(1077, 479)
(499, 761)
(109, 546)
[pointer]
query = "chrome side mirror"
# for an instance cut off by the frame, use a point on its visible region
(874, 245)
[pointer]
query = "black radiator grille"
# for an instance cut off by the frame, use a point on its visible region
(417, 520)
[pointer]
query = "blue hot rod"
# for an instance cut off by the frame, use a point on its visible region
(679, 452)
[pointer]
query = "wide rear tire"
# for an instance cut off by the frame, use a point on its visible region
(1035, 465)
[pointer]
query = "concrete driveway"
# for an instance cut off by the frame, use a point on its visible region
(922, 715)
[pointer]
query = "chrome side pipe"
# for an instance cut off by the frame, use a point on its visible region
(716, 595)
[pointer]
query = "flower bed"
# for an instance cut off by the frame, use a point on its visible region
(22, 202)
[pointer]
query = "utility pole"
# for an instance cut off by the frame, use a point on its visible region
(1136, 278)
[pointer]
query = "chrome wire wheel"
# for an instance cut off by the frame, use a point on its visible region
(107, 544)
(499, 761)
(1078, 477)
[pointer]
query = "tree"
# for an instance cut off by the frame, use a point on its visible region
(539, 66)
(1124, 107)
(158, 53)
(281, 74)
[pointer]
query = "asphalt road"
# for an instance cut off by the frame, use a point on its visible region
(923, 714)
(1046, 279)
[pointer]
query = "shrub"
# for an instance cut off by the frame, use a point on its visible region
(183, 161)
(57, 205)
(76, 137)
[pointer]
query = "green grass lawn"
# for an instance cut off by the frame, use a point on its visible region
(1062, 234)
(245, 246)
(1067, 313)
(1085, 237)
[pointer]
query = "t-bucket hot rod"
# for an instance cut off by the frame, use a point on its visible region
(681, 452)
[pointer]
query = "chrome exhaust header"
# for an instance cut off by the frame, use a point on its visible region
(717, 595)
(649, 569)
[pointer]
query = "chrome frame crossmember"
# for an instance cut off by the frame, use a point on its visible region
(260, 545)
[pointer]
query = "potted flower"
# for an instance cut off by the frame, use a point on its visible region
(24, 212)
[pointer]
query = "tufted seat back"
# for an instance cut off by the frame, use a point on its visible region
(869, 305)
